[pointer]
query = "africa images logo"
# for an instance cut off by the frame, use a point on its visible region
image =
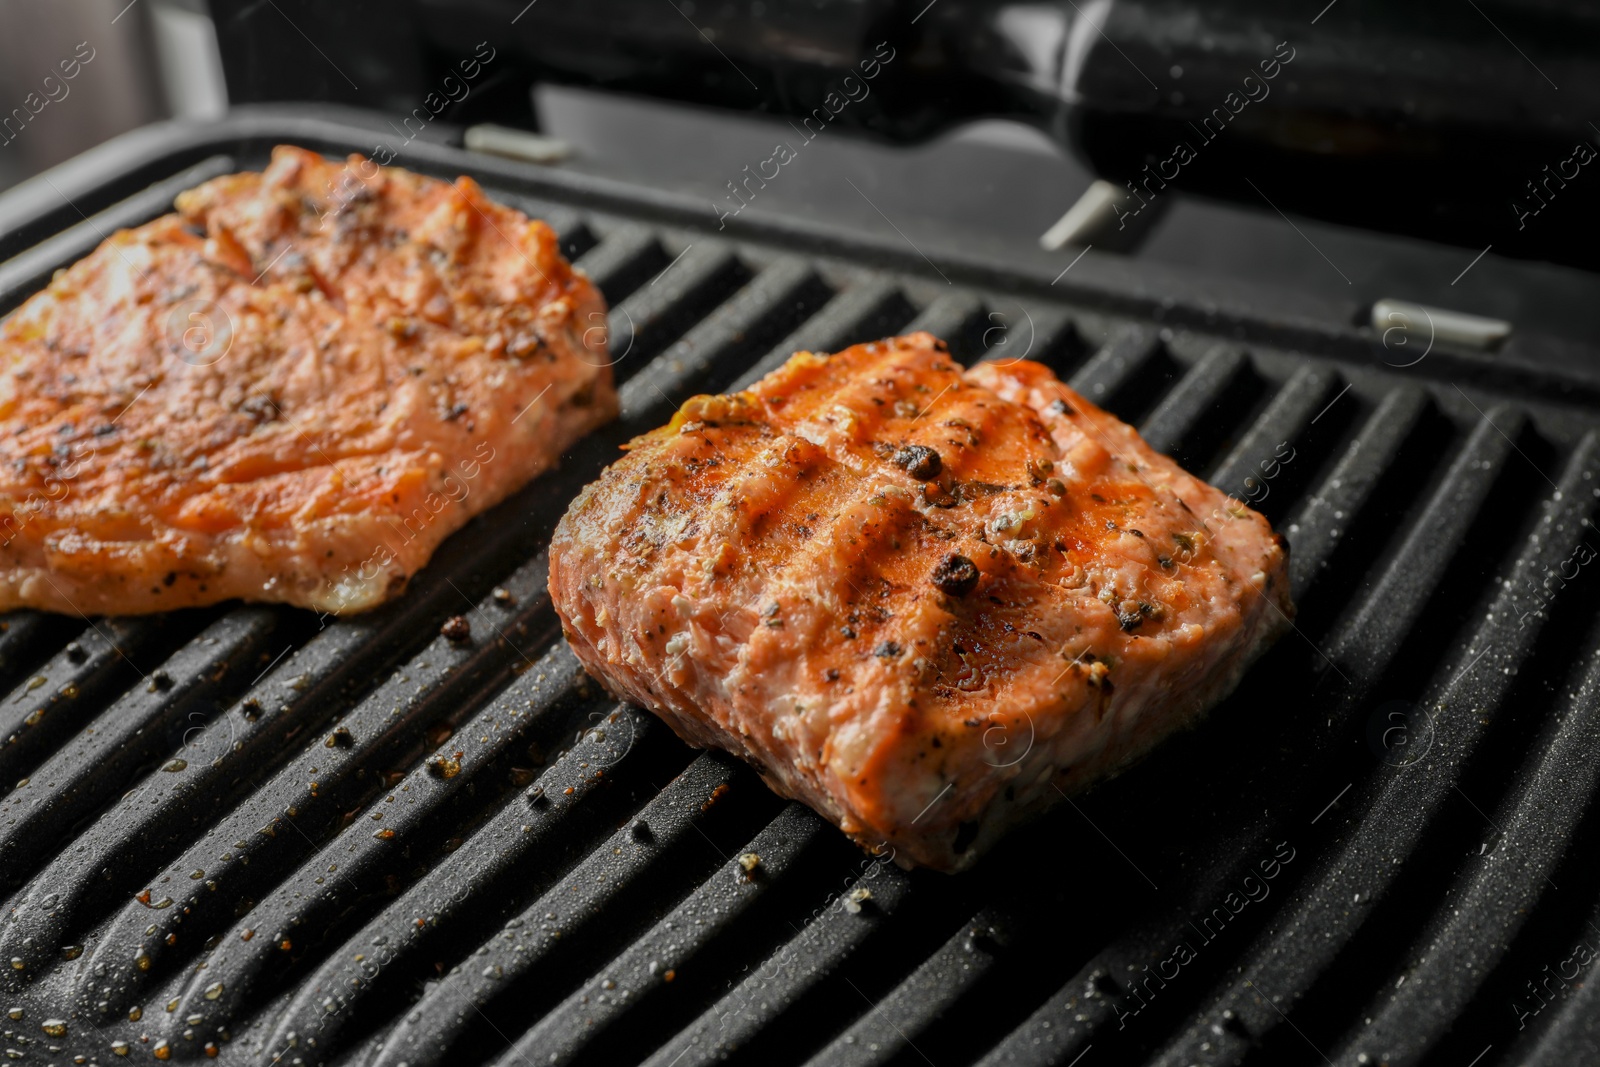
(199, 332)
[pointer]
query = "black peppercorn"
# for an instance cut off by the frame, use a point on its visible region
(919, 461)
(956, 575)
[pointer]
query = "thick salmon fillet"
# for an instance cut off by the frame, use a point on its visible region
(927, 602)
(290, 390)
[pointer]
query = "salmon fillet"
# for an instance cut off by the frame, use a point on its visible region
(290, 390)
(927, 602)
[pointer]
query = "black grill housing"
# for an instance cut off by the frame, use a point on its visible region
(268, 835)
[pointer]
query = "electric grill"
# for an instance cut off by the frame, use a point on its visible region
(254, 834)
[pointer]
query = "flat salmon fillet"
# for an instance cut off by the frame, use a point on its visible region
(927, 602)
(290, 390)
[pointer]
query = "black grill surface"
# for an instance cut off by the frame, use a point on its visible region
(255, 834)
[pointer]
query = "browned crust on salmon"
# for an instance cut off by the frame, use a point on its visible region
(925, 601)
(292, 389)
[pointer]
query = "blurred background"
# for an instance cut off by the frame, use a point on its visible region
(1394, 154)
(154, 59)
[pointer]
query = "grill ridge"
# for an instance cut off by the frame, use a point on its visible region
(874, 308)
(531, 943)
(1129, 374)
(829, 940)
(680, 940)
(1498, 888)
(139, 728)
(39, 711)
(1404, 803)
(434, 907)
(766, 308)
(288, 812)
(26, 637)
(393, 727)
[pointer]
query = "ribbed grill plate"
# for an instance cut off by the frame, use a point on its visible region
(252, 833)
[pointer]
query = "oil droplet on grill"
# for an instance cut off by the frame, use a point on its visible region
(142, 960)
(214, 990)
(135, 1013)
(119, 1047)
(162, 1051)
(176, 765)
(54, 1027)
(444, 767)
